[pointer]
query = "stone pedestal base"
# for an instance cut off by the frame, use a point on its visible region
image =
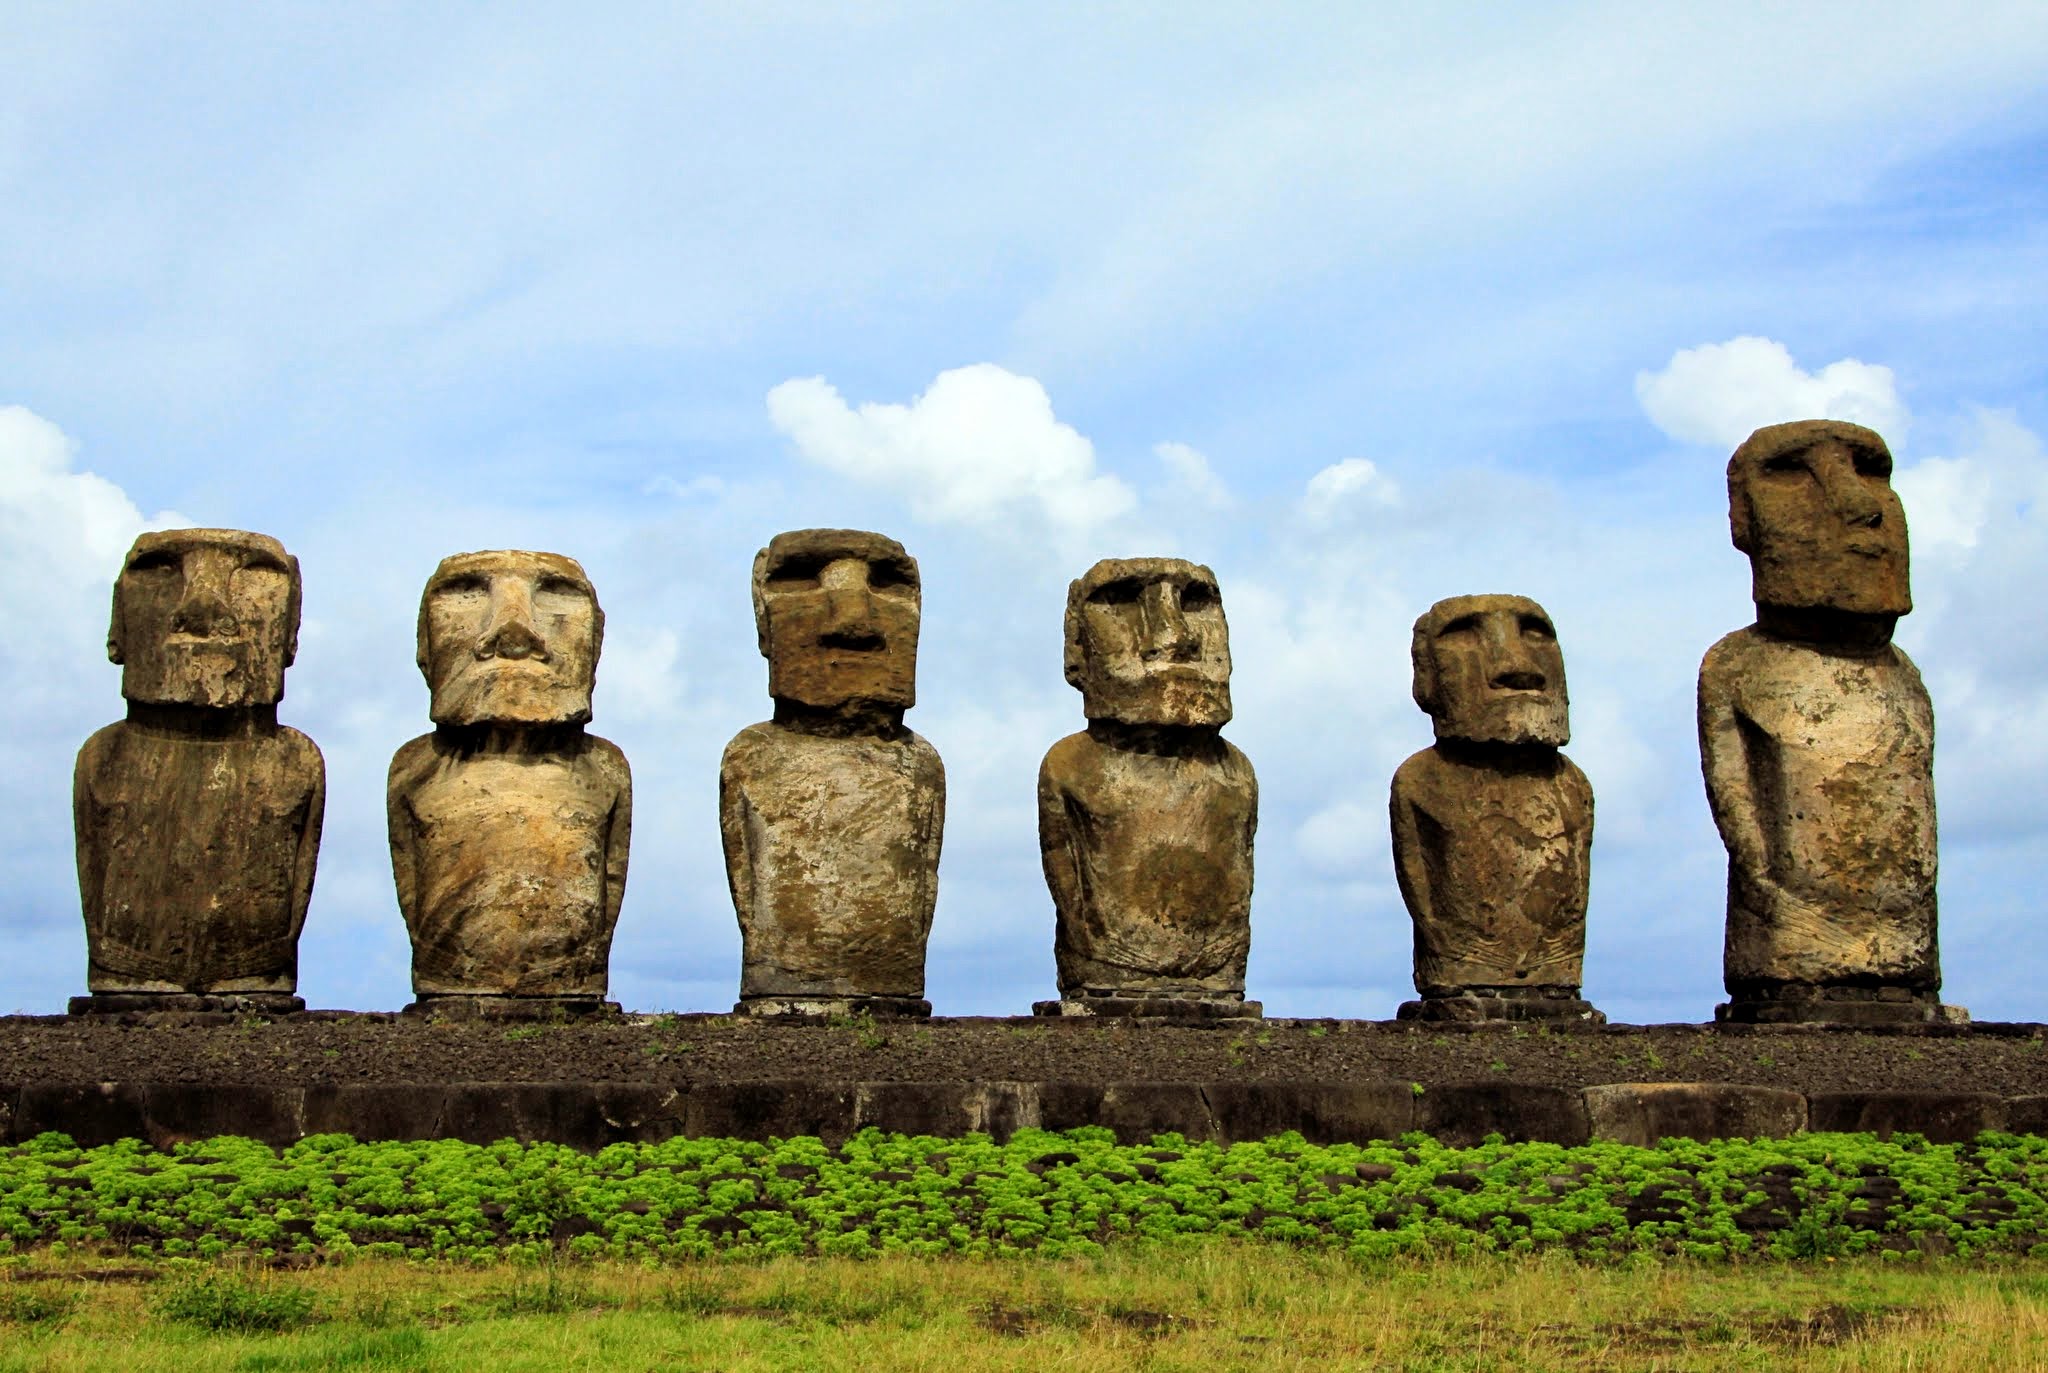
(817, 1009)
(525, 1008)
(1851, 1006)
(156, 1003)
(1153, 1007)
(1480, 1005)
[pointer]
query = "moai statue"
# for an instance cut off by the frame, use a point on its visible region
(1145, 819)
(832, 812)
(198, 817)
(1492, 825)
(510, 823)
(1817, 740)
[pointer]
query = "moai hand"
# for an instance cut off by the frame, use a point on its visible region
(1493, 826)
(1145, 819)
(198, 817)
(832, 813)
(509, 823)
(1817, 741)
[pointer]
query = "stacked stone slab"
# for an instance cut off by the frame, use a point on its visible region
(197, 818)
(1493, 826)
(510, 824)
(1146, 818)
(832, 812)
(1817, 741)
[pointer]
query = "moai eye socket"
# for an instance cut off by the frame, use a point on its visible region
(1197, 596)
(794, 574)
(1871, 462)
(889, 574)
(157, 560)
(1464, 627)
(1781, 464)
(1123, 591)
(1537, 628)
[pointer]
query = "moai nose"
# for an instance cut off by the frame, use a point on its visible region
(1514, 667)
(1163, 628)
(1847, 493)
(510, 632)
(850, 612)
(204, 607)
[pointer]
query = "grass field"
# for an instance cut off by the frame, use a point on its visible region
(1207, 1305)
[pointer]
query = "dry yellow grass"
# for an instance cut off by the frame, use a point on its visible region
(1209, 1307)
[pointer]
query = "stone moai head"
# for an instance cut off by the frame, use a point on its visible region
(205, 617)
(1147, 643)
(1488, 670)
(1812, 504)
(837, 614)
(509, 637)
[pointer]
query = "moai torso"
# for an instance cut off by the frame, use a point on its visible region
(1820, 770)
(510, 825)
(1493, 865)
(198, 817)
(1817, 738)
(511, 866)
(1149, 858)
(832, 853)
(832, 813)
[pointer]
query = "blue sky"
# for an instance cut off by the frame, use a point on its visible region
(1361, 306)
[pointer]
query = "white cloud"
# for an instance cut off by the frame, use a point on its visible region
(1947, 501)
(981, 444)
(1191, 471)
(54, 521)
(1352, 482)
(1718, 393)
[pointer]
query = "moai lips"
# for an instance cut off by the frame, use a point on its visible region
(832, 813)
(510, 825)
(1493, 826)
(198, 817)
(1146, 818)
(1817, 743)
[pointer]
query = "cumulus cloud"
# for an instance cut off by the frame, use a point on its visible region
(980, 445)
(1351, 483)
(1947, 501)
(1192, 473)
(54, 521)
(1716, 394)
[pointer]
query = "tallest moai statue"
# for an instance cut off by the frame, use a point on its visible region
(198, 816)
(1817, 740)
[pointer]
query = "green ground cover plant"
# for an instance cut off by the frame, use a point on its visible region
(1811, 1197)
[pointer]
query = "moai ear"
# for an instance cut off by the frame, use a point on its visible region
(1422, 656)
(1740, 515)
(117, 631)
(293, 601)
(1073, 656)
(761, 601)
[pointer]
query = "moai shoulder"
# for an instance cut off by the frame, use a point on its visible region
(1146, 818)
(197, 818)
(1817, 743)
(832, 813)
(1493, 825)
(510, 824)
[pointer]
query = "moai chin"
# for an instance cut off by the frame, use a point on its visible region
(1493, 825)
(198, 817)
(510, 824)
(832, 812)
(1145, 819)
(1817, 741)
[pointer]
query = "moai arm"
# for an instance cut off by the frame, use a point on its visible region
(309, 842)
(1411, 864)
(92, 864)
(1056, 841)
(404, 836)
(732, 830)
(1727, 741)
(618, 839)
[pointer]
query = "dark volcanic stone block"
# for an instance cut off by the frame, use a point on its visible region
(1464, 1113)
(917, 1108)
(484, 1112)
(1135, 1111)
(174, 1112)
(1943, 1117)
(2027, 1115)
(1324, 1112)
(769, 1110)
(1001, 1109)
(92, 1113)
(376, 1110)
(8, 1094)
(1645, 1112)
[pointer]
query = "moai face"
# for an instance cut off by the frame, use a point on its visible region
(1147, 643)
(837, 613)
(205, 617)
(1488, 670)
(1812, 505)
(510, 637)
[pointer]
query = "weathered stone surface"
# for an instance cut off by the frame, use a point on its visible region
(1645, 1112)
(175, 1112)
(1465, 1113)
(1208, 1009)
(1493, 827)
(2027, 1115)
(1134, 1111)
(510, 825)
(159, 1007)
(198, 817)
(510, 1008)
(9, 1094)
(765, 1110)
(1323, 1112)
(375, 1110)
(832, 813)
(1817, 739)
(1943, 1117)
(945, 1110)
(92, 1113)
(1146, 819)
